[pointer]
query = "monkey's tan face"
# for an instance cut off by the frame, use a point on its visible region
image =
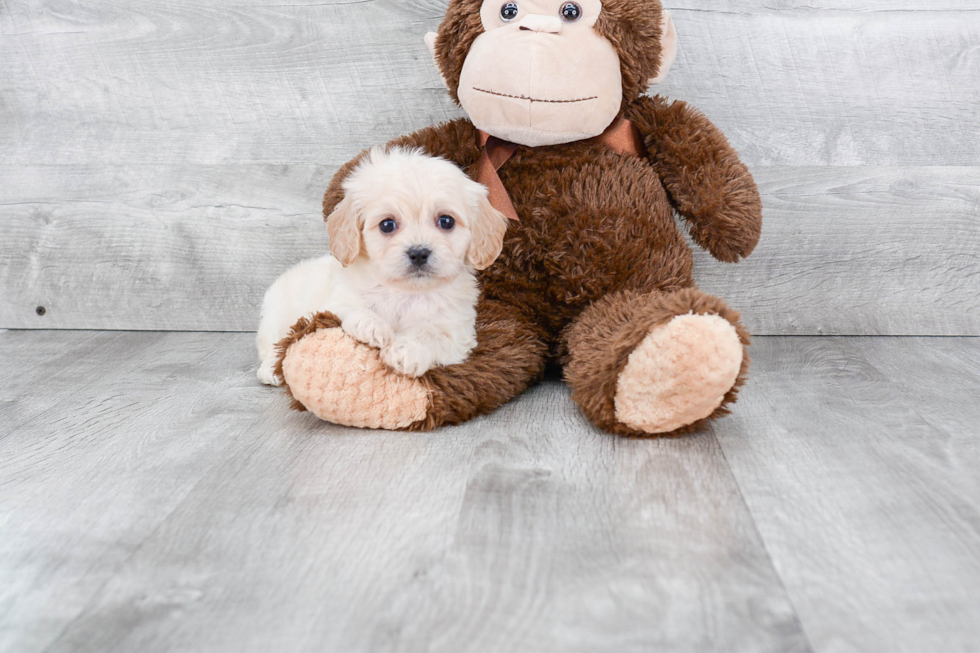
(540, 74)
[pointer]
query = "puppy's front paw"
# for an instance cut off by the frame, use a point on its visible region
(267, 373)
(369, 329)
(407, 358)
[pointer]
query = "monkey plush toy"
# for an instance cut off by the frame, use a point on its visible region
(595, 274)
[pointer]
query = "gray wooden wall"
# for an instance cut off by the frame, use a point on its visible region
(162, 161)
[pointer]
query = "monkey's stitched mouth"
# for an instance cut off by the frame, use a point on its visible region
(531, 99)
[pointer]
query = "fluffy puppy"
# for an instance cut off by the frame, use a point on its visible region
(404, 243)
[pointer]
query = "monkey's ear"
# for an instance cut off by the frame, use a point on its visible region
(668, 45)
(430, 41)
(344, 229)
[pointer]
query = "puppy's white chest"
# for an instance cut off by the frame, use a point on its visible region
(402, 308)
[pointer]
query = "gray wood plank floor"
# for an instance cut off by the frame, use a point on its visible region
(154, 497)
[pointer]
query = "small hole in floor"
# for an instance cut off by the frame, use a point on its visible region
(41, 311)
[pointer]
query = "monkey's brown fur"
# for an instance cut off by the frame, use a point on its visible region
(597, 259)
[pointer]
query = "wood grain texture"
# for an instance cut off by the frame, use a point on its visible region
(884, 83)
(190, 248)
(844, 250)
(164, 501)
(65, 362)
(170, 503)
(879, 251)
(784, 6)
(160, 163)
(862, 471)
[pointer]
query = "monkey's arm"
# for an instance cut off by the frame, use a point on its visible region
(455, 141)
(707, 183)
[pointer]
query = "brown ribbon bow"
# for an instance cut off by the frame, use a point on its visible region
(621, 137)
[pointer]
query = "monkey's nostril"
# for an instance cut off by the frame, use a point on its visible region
(541, 24)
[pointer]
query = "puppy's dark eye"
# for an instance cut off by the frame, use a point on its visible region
(571, 12)
(447, 222)
(388, 226)
(509, 11)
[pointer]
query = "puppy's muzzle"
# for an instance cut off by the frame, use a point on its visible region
(418, 257)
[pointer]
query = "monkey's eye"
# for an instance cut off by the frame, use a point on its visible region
(447, 222)
(509, 11)
(388, 226)
(570, 12)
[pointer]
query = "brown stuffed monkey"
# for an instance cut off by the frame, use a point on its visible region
(595, 273)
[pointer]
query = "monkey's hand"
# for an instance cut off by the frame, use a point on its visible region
(704, 178)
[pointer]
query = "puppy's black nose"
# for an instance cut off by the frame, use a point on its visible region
(419, 256)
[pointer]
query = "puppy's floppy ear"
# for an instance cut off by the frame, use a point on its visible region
(488, 229)
(344, 229)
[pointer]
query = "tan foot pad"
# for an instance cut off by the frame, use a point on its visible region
(679, 374)
(344, 382)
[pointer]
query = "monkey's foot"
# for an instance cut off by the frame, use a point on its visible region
(679, 374)
(345, 382)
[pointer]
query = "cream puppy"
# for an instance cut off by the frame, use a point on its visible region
(404, 243)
